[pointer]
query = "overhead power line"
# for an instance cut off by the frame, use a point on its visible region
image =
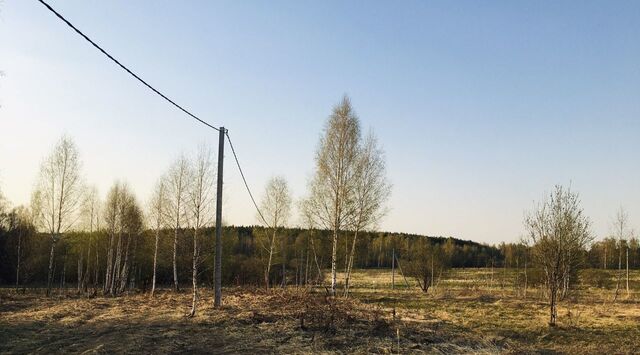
(245, 180)
(164, 97)
(125, 68)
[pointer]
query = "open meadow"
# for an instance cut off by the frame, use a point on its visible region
(470, 311)
(471, 301)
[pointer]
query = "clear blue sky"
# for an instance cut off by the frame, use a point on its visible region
(481, 106)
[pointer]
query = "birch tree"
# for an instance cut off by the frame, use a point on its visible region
(371, 191)
(177, 187)
(123, 219)
(157, 218)
(201, 195)
(115, 218)
(57, 195)
(622, 233)
(132, 225)
(112, 221)
(629, 244)
(331, 189)
(19, 220)
(558, 230)
(305, 208)
(90, 211)
(276, 205)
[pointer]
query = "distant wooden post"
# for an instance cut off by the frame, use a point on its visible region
(628, 292)
(217, 302)
(393, 269)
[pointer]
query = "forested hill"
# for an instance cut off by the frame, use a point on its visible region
(375, 248)
(245, 249)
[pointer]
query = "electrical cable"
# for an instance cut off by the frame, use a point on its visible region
(124, 67)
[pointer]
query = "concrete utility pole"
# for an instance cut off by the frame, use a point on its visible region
(217, 302)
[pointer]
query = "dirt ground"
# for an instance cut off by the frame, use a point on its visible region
(453, 319)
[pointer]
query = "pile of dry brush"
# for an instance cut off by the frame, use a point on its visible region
(312, 311)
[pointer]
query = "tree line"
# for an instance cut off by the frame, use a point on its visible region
(300, 256)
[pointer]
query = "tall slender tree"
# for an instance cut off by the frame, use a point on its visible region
(57, 196)
(200, 199)
(628, 291)
(276, 205)
(123, 219)
(307, 218)
(20, 220)
(331, 189)
(177, 187)
(112, 219)
(132, 227)
(622, 233)
(90, 211)
(157, 218)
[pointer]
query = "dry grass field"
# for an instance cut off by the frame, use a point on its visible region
(467, 313)
(588, 320)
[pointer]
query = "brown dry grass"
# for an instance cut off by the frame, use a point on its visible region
(589, 322)
(251, 321)
(462, 316)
